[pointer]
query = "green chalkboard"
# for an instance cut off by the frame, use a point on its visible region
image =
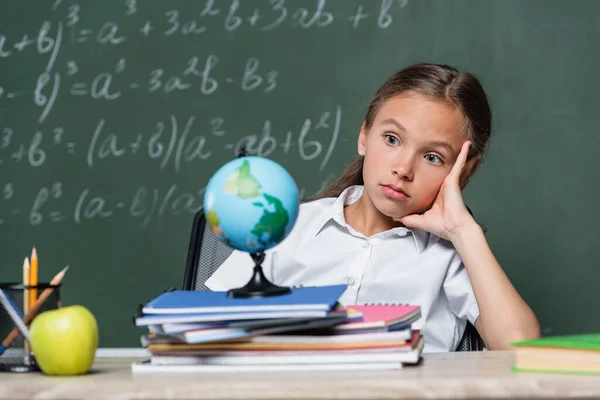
(114, 114)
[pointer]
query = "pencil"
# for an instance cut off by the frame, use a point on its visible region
(33, 276)
(26, 272)
(34, 309)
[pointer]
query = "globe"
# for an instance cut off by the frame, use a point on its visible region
(251, 203)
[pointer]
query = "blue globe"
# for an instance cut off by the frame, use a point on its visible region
(251, 203)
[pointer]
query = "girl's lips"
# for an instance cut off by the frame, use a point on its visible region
(394, 192)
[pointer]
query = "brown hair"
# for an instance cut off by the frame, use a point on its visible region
(435, 80)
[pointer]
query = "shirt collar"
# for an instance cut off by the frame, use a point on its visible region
(336, 213)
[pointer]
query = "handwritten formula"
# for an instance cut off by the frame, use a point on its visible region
(87, 98)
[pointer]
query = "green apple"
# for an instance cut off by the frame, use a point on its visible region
(64, 341)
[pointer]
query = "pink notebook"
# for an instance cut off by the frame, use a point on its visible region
(381, 316)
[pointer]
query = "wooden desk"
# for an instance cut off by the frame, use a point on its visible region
(453, 375)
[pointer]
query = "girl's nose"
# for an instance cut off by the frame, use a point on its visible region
(403, 168)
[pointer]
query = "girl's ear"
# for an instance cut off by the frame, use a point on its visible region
(468, 170)
(362, 141)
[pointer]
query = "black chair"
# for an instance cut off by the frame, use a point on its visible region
(471, 340)
(206, 253)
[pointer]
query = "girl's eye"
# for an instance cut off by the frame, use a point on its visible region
(393, 140)
(432, 158)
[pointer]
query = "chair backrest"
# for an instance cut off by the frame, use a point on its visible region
(471, 340)
(205, 254)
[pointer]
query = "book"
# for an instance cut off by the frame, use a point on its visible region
(569, 354)
(288, 352)
(220, 317)
(157, 348)
(255, 319)
(251, 329)
(293, 359)
(168, 329)
(400, 336)
(411, 356)
(374, 318)
(157, 345)
(301, 298)
(381, 316)
(148, 367)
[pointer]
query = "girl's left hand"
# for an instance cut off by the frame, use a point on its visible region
(448, 213)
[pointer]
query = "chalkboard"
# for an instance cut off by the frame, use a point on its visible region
(114, 114)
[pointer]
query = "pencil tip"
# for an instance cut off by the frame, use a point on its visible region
(26, 262)
(33, 253)
(59, 277)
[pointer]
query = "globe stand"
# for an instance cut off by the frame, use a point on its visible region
(258, 285)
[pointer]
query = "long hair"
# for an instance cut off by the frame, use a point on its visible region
(439, 81)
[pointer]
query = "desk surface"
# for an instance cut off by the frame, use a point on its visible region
(458, 375)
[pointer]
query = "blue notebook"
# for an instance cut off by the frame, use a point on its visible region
(301, 298)
(157, 319)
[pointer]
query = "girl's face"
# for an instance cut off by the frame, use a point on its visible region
(408, 151)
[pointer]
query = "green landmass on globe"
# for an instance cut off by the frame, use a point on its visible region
(242, 183)
(270, 228)
(272, 223)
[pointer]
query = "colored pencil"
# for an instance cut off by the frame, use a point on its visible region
(33, 275)
(26, 275)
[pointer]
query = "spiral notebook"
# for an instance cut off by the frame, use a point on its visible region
(382, 316)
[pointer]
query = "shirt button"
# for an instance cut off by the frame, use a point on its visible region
(366, 245)
(402, 232)
(350, 281)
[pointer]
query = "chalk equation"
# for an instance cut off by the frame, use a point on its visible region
(171, 87)
(146, 204)
(174, 141)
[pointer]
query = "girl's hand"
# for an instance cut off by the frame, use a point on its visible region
(448, 214)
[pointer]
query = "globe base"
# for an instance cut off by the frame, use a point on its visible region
(258, 285)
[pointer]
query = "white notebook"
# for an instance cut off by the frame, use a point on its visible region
(147, 367)
(408, 357)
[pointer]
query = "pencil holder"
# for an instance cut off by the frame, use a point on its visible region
(16, 355)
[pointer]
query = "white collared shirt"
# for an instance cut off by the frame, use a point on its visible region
(396, 266)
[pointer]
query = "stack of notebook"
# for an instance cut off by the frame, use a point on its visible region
(307, 329)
